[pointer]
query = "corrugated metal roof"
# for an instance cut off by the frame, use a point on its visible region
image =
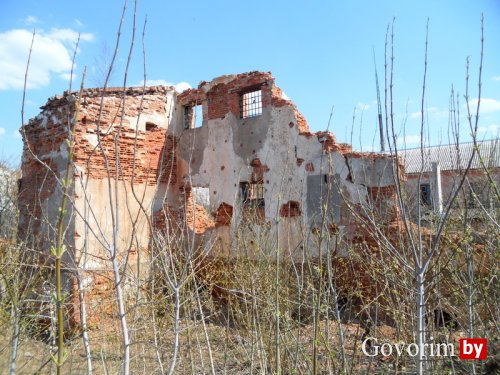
(451, 157)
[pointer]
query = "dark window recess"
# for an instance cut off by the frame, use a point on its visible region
(252, 194)
(425, 194)
(150, 126)
(251, 104)
(193, 117)
(188, 117)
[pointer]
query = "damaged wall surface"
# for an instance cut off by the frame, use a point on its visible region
(142, 162)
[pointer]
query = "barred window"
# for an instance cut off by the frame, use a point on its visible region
(251, 104)
(252, 194)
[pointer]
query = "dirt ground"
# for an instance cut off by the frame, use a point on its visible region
(233, 350)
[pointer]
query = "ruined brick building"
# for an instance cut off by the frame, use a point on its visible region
(144, 159)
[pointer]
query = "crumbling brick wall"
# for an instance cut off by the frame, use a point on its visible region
(133, 148)
(113, 123)
(45, 155)
(275, 148)
(123, 155)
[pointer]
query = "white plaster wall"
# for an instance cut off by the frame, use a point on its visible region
(94, 224)
(164, 119)
(222, 163)
(283, 182)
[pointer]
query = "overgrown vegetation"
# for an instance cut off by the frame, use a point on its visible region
(259, 311)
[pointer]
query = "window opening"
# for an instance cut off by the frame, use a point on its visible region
(251, 104)
(198, 116)
(252, 194)
(193, 116)
(425, 194)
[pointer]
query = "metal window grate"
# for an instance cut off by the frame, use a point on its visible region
(252, 194)
(251, 104)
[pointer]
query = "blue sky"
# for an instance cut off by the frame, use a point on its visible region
(321, 55)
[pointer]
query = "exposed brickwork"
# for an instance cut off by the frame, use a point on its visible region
(301, 122)
(197, 218)
(34, 188)
(367, 155)
(133, 135)
(327, 139)
(144, 155)
(328, 142)
(383, 198)
(100, 301)
(44, 139)
(224, 98)
(174, 221)
(258, 170)
(341, 148)
(224, 214)
(167, 221)
(379, 193)
(191, 97)
(279, 101)
(290, 209)
(160, 162)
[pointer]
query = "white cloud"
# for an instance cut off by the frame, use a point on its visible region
(492, 130)
(68, 35)
(487, 105)
(179, 87)
(52, 54)
(155, 82)
(16, 134)
(438, 112)
(430, 111)
(496, 78)
(363, 106)
(182, 86)
(284, 96)
(30, 20)
(65, 76)
(2, 131)
(78, 22)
